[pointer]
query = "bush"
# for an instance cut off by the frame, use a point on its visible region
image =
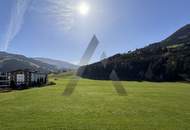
(51, 83)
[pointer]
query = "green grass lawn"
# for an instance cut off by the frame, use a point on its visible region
(95, 105)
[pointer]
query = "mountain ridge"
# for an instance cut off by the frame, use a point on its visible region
(12, 62)
(167, 60)
(58, 63)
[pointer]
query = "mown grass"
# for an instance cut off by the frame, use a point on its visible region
(95, 105)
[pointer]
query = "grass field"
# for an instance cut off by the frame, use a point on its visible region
(95, 105)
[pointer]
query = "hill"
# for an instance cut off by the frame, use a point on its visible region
(168, 60)
(59, 64)
(11, 62)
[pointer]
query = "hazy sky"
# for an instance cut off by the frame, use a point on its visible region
(55, 29)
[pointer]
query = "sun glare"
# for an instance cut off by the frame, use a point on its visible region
(83, 8)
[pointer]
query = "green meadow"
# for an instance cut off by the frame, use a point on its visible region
(95, 105)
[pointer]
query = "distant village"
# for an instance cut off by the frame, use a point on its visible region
(20, 79)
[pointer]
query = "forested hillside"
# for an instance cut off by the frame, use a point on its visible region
(168, 60)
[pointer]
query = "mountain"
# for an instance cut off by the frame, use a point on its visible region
(168, 60)
(11, 62)
(59, 64)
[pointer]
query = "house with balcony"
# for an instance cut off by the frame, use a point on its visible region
(23, 78)
(4, 80)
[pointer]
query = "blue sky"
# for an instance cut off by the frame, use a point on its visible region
(46, 28)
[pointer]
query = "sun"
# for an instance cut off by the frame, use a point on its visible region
(83, 8)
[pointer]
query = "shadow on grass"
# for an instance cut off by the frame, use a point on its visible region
(6, 90)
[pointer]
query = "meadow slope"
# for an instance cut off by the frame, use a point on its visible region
(95, 105)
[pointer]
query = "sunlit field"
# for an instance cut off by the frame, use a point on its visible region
(95, 105)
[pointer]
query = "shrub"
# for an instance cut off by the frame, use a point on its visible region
(51, 83)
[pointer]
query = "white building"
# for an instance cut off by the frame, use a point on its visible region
(23, 78)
